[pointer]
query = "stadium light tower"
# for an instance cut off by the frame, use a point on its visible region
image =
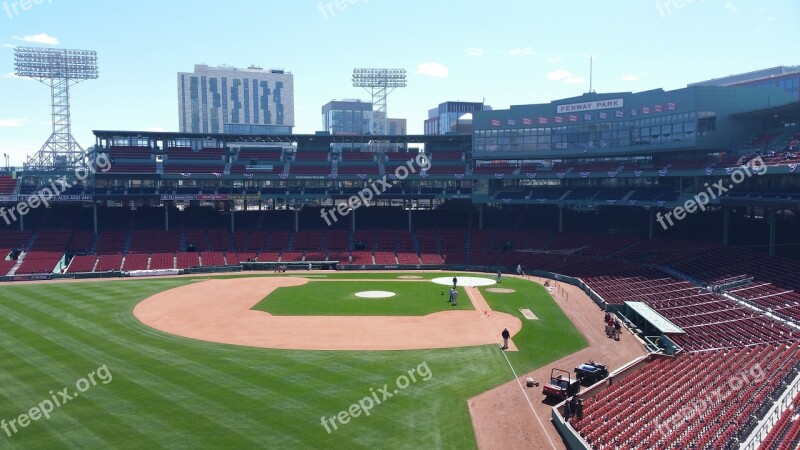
(379, 83)
(58, 69)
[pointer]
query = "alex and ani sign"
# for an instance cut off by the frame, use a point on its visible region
(591, 106)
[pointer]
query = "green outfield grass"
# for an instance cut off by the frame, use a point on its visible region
(540, 341)
(172, 392)
(337, 298)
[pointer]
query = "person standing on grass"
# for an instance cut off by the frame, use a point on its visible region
(455, 280)
(506, 335)
(455, 297)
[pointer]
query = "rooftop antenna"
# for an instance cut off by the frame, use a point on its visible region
(591, 73)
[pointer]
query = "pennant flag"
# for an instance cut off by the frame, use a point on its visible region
(560, 174)
(584, 174)
(495, 123)
(499, 176)
(542, 200)
(638, 173)
(587, 117)
(361, 175)
(527, 121)
(531, 174)
(658, 108)
(611, 202)
(573, 118)
(619, 114)
(216, 174)
(511, 122)
(792, 167)
(663, 172)
(284, 176)
(333, 175)
(729, 170)
(645, 110)
(186, 174)
(506, 200)
(671, 106)
(661, 203)
(612, 173)
(634, 112)
(604, 115)
(632, 202)
(392, 176)
(558, 119)
(543, 120)
(459, 176)
(248, 175)
(709, 171)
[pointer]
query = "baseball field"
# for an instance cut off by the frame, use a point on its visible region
(78, 369)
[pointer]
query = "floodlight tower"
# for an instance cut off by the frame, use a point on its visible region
(379, 83)
(59, 69)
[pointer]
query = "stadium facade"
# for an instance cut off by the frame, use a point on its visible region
(232, 100)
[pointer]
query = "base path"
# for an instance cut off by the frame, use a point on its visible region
(219, 310)
(502, 417)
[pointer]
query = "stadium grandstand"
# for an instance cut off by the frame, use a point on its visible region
(678, 210)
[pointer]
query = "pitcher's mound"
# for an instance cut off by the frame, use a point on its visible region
(500, 290)
(375, 294)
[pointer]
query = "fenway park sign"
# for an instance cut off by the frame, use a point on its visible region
(591, 106)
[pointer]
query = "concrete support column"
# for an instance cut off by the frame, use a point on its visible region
(772, 232)
(94, 213)
(726, 225)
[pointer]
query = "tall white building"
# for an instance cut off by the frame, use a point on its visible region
(231, 100)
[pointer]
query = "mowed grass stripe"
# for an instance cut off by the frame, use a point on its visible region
(150, 377)
(425, 415)
(40, 368)
(97, 411)
(108, 401)
(284, 399)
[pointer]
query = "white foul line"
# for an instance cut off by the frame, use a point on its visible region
(538, 419)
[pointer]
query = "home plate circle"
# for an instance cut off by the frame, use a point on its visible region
(465, 281)
(375, 294)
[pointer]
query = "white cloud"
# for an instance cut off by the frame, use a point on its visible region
(41, 38)
(555, 59)
(565, 77)
(525, 51)
(9, 45)
(731, 7)
(12, 123)
(433, 69)
(629, 78)
(474, 51)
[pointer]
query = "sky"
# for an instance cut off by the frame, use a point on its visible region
(506, 52)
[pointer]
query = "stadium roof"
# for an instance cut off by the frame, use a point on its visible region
(282, 138)
(790, 109)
